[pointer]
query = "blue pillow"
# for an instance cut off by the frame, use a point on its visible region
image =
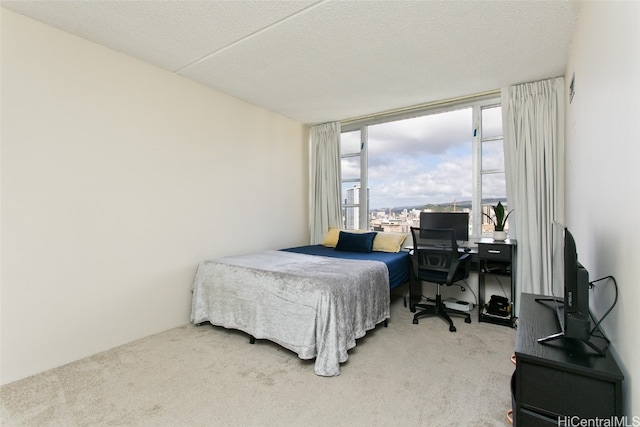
(355, 242)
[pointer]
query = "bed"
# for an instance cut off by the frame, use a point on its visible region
(398, 263)
(313, 300)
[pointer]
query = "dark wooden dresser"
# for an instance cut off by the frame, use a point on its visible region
(560, 379)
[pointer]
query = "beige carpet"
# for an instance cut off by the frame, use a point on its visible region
(412, 375)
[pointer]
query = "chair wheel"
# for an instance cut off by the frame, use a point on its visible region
(452, 328)
(467, 320)
(415, 321)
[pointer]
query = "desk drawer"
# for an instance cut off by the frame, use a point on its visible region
(499, 252)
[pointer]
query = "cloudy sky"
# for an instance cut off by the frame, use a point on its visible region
(426, 159)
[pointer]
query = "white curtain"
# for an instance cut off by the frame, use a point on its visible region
(325, 208)
(533, 122)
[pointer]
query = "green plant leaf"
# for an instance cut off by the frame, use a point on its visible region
(490, 218)
(500, 218)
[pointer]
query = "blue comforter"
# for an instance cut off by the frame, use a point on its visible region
(398, 264)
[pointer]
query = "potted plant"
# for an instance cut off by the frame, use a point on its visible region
(498, 220)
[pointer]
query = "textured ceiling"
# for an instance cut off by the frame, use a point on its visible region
(318, 61)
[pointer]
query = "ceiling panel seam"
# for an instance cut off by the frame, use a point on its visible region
(251, 35)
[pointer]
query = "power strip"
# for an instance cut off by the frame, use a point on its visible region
(455, 304)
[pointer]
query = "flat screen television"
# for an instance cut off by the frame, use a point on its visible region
(570, 288)
(459, 221)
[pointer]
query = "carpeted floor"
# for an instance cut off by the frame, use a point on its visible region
(406, 374)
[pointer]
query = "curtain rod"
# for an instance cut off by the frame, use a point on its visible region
(421, 106)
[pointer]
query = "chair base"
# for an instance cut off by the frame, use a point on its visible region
(439, 309)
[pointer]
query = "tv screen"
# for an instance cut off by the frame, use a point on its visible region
(570, 288)
(459, 221)
(570, 285)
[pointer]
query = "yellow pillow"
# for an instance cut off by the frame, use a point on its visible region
(331, 238)
(388, 242)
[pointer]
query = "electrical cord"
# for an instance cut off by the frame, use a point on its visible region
(501, 287)
(615, 300)
(462, 288)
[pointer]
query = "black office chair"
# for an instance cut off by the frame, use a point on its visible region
(436, 259)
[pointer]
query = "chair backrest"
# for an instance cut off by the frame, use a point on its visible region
(435, 255)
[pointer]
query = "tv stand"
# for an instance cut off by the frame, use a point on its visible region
(562, 335)
(557, 383)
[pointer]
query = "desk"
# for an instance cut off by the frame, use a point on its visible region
(490, 257)
(497, 258)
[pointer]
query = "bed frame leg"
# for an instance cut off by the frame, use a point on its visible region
(252, 339)
(386, 323)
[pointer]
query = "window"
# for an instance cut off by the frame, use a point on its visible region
(351, 158)
(493, 184)
(443, 159)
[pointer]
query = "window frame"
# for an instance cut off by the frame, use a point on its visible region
(477, 103)
(477, 214)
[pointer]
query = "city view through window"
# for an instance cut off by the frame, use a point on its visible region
(449, 161)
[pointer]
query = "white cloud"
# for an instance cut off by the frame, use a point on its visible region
(425, 160)
(412, 182)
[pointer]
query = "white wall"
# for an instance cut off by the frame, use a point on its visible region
(603, 169)
(117, 179)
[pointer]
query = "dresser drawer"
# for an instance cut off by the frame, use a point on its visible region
(494, 251)
(566, 393)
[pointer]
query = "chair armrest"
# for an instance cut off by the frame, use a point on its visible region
(452, 271)
(465, 260)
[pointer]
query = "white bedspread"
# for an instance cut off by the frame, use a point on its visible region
(315, 306)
